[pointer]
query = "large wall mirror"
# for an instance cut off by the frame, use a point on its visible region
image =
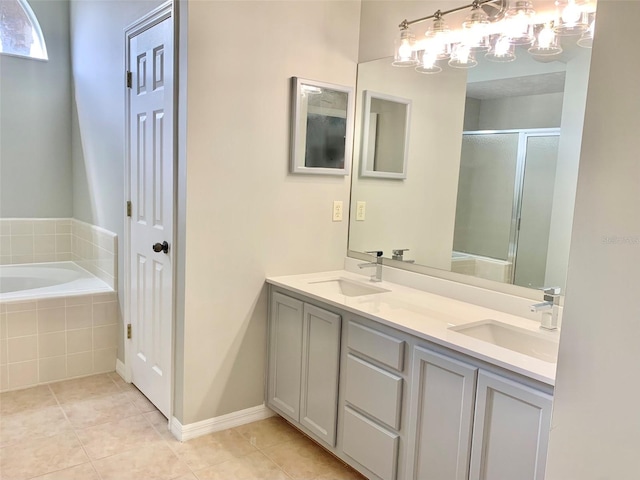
(493, 153)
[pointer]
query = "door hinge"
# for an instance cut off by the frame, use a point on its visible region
(128, 208)
(128, 331)
(129, 79)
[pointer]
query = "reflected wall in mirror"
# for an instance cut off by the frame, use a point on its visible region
(321, 127)
(385, 135)
(494, 154)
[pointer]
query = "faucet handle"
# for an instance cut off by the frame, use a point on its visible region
(377, 253)
(551, 290)
(399, 251)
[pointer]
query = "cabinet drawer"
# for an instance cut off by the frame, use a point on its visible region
(374, 390)
(370, 445)
(379, 346)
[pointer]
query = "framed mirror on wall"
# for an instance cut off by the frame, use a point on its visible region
(321, 127)
(385, 135)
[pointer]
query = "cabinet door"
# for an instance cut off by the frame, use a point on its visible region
(285, 355)
(511, 430)
(441, 409)
(320, 369)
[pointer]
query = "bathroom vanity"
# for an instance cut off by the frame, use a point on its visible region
(404, 384)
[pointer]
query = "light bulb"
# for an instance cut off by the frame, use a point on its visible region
(405, 50)
(571, 17)
(519, 21)
(462, 57)
(438, 36)
(502, 46)
(429, 63)
(503, 51)
(475, 31)
(405, 55)
(571, 13)
(547, 43)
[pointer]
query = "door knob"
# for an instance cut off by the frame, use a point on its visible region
(161, 247)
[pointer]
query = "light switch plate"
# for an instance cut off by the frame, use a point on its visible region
(360, 211)
(337, 210)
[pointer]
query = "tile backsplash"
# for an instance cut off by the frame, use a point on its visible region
(39, 240)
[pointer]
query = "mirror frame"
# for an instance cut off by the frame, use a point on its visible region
(298, 161)
(366, 169)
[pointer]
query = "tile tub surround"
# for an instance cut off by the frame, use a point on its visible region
(95, 249)
(100, 427)
(47, 340)
(35, 240)
(40, 240)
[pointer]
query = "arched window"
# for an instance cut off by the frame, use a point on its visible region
(20, 32)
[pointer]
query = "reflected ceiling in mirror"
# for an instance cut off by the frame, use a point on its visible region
(493, 154)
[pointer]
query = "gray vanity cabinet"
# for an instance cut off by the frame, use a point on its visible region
(320, 369)
(398, 407)
(304, 356)
(372, 412)
(510, 431)
(441, 412)
(285, 355)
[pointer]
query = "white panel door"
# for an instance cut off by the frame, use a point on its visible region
(151, 179)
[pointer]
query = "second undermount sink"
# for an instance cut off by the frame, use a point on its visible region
(531, 343)
(347, 287)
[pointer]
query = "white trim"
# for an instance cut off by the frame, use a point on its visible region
(216, 424)
(121, 370)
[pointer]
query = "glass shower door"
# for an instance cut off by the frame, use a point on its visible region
(541, 159)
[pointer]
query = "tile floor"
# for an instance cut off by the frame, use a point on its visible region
(101, 428)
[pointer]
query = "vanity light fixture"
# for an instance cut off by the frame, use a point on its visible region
(493, 28)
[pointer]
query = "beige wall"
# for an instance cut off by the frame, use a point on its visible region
(35, 123)
(596, 426)
(246, 216)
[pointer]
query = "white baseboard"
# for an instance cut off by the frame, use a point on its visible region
(121, 369)
(223, 422)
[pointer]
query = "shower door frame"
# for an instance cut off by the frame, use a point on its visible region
(521, 160)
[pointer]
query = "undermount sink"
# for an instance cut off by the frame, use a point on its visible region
(533, 344)
(347, 287)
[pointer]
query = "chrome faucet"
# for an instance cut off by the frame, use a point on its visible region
(549, 308)
(376, 277)
(398, 254)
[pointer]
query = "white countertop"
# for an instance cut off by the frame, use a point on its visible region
(427, 316)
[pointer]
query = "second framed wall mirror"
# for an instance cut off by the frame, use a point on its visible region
(385, 135)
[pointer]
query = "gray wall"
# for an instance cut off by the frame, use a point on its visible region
(35, 123)
(596, 425)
